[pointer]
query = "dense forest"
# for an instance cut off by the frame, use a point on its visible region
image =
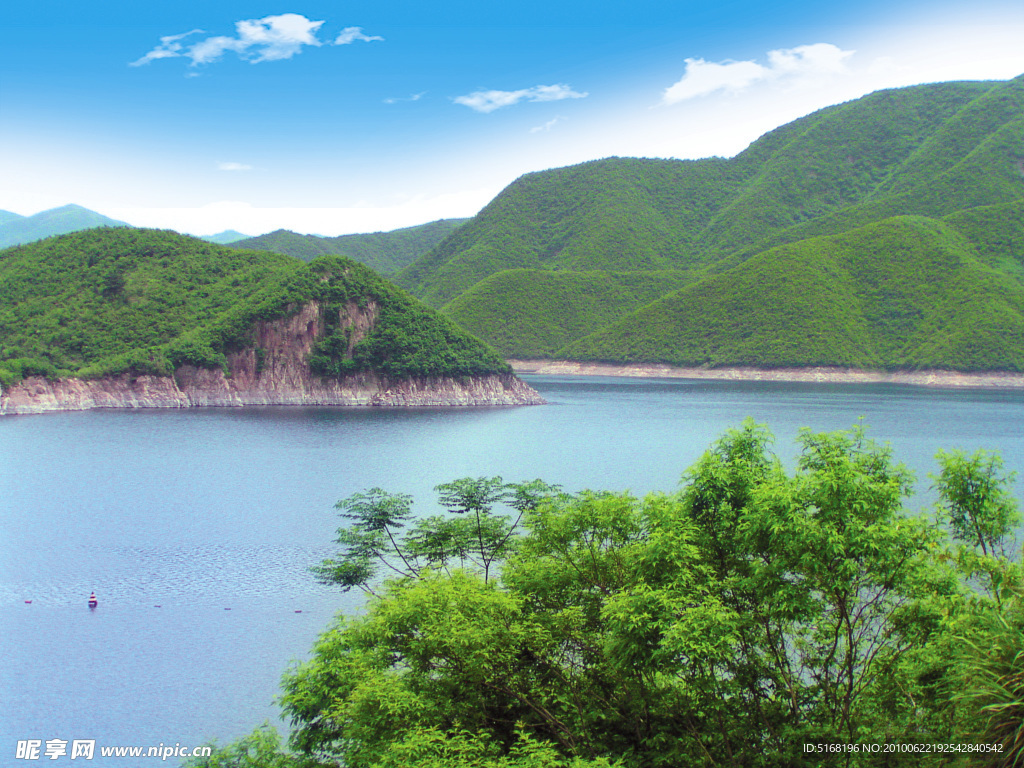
(890, 222)
(908, 292)
(516, 308)
(759, 616)
(113, 300)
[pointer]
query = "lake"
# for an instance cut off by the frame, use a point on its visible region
(196, 528)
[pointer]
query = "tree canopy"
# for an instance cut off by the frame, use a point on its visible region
(758, 616)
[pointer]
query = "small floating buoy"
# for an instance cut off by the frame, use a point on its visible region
(28, 601)
(157, 606)
(298, 611)
(93, 602)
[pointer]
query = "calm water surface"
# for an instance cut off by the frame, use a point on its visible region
(196, 528)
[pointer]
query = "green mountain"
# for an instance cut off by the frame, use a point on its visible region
(56, 221)
(972, 159)
(384, 252)
(528, 313)
(227, 237)
(909, 292)
(618, 214)
(111, 300)
(6, 217)
(935, 152)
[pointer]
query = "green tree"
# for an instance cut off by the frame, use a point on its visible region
(372, 543)
(975, 499)
(757, 617)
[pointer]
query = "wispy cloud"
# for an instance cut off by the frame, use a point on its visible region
(397, 99)
(548, 125)
(170, 47)
(488, 101)
(352, 34)
(233, 167)
(793, 65)
(271, 38)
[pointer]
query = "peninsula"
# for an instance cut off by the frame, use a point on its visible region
(130, 318)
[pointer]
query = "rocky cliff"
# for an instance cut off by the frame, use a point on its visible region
(274, 370)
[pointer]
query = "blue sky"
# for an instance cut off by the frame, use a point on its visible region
(331, 118)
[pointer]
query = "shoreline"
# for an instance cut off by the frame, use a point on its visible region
(819, 374)
(273, 371)
(192, 387)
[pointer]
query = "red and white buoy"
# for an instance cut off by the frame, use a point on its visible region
(93, 602)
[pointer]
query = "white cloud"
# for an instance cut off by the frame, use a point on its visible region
(351, 34)
(488, 101)
(414, 97)
(169, 48)
(820, 58)
(547, 126)
(798, 66)
(233, 167)
(268, 39)
(212, 48)
(703, 77)
(271, 38)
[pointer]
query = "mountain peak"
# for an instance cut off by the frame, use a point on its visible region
(55, 221)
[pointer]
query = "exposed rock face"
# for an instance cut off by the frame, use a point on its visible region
(272, 372)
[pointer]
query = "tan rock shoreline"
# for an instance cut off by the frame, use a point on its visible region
(280, 376)
(928, 378)
(197, 387)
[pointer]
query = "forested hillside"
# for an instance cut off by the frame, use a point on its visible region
(947, 154)
(905, 293)
(111, 300)
(384, 252)
(534, 313)
(616, 214)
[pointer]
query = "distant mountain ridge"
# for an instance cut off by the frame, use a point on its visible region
(906, 168)
(226, 237)
(384, 252)
(56, 221)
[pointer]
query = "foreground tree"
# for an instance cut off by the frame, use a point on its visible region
(757, 617)
(373, 542)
